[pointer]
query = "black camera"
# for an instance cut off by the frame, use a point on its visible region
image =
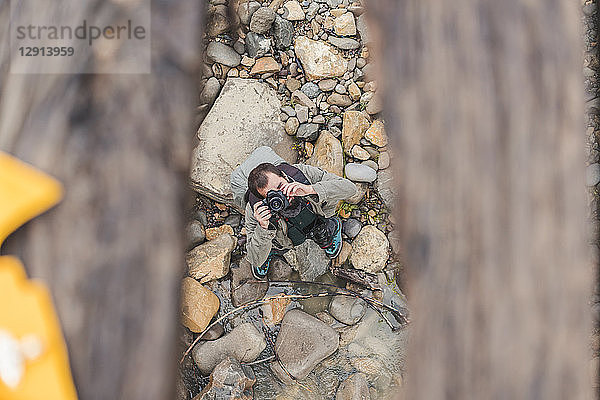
(276, 201)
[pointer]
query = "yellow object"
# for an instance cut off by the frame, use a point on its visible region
(33, 355)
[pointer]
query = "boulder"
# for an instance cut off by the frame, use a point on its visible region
(592, 175)
(244, 117)
(383, 161)
(262, 19)
(348, 310)
(328, 154)
(223, 54)
(319, 59)
(303, 342)
(244, 289)
(355, 387)
(244, 343)
(228, 382)
(354, 126)
(198, 305)
(312, 261)
(360, 173)
(344, 25)
(210, 260)
(370, 250)
(363, 29)
(376, 134)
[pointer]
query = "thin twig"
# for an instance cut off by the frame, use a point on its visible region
(260, 361)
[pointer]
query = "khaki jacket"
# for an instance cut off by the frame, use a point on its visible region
(330, 190)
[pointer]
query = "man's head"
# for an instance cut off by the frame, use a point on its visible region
(263, 178)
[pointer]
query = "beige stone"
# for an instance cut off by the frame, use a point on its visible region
(264, 65)
(309, 148)
(370, 250)
(344, 25)
(247, 61)
(210, 260)
(213, 233)
(198, 305)
(328, 154)
(360, 153)
(354, 91)
(319, 59)
(376, 134)
(354, 126)
(294, 11)
(336, 12)
(360, 193)
(328, 23)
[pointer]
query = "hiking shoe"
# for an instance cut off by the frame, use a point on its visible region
(261, 271)
(333, 245)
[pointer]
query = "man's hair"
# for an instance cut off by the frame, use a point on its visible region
(257, 179)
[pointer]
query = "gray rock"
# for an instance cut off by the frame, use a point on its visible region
(262, 19)
(351, 227)
(592, 175)
(371, 164)
(319, 119)
(223, 54)
(327, 85)
(215, 332)
(210, 91)
(239, 46)
(244, 117)
(341, 89)
(303, 342)
(311, 89)
(308, 132)
(244, 343)
(335, 131)
(243, 291)
(217, 20)
(195, 233)
(233, 220)
(246, 10)
(335, 121)
(383, 161)
(301, 113)
(299, 97)
(312, 261)
(228, 382)
(348, 310)
(289, 110)
(200, 215)
(355, 387)
(283, 32)
(387, 190)
(363, 29)
(344, 43)
(279, 270)
(257, 45)
(360, 173)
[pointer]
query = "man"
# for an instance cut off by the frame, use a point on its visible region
(312, 194)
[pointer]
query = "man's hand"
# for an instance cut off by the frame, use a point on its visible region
(297, 189)
(262, 214)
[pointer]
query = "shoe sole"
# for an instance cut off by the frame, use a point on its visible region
(339, 234)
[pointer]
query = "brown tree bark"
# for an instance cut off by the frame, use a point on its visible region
(484, 104)
(111, 252)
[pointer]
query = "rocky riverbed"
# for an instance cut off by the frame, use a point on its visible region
(296, 76)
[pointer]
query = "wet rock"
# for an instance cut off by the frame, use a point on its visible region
(195, 233)
(244, 343)
(387, 190)
(370, 250)
(293, 11)
(244, 117)
(308, 131)
(348, 310)
(376, 134)
(355, 387)
(264, 65)
(360, 173)
(319, 59)
(257, 45)
(344, 25)
(328, 154)
(223, 54)
(246, 9)
(244, 288)
(228, 382)
(215, 232)
(351, 227)
(344, 43)
(303, 342)
(198, 305)
(217, 20)
(360, 193)
(210, 260)
(354, 126)
(210, 91)
(311, 260)
(262, 19)
(283, 32)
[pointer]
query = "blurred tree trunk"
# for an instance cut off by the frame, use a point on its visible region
(484, 106)
(111, 252)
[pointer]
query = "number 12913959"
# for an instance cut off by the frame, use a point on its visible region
(47, 51)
